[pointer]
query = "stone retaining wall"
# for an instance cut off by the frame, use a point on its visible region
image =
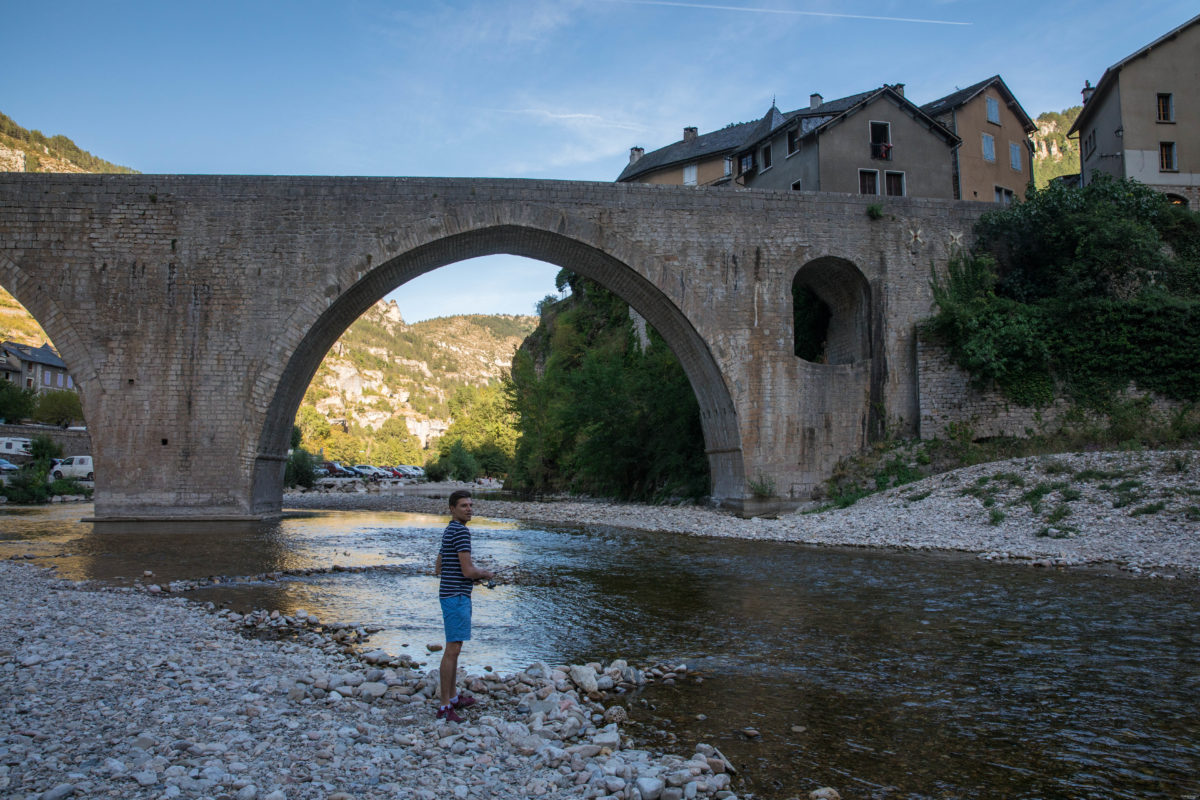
(73, 443)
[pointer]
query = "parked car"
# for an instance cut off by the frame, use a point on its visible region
(74, 467)
(371, 473)
(7, 466)
(336, 470)
(417, 472)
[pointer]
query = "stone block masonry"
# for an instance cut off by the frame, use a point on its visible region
(195, 309)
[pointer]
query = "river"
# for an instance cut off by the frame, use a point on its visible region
(886, 675)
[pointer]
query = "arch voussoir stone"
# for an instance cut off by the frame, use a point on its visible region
(195, 309)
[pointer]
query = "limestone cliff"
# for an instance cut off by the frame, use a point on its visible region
(382, 367)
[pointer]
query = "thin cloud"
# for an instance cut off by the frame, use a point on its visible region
(785, 11)
(575, 118)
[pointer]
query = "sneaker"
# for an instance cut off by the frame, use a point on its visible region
(448, 715)
(464, 701)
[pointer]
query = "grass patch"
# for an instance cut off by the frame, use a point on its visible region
(1059, 513)
(1070, 494)
(1192, 513)
(1011, 478)
(995, 516)
(1059, 532)
(1126, 486)
(1054, 467)
(1099, 474)
(917, 497)
(1149, 508)
(1037, 494)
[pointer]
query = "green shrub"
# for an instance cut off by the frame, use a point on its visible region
(300, 469)
(68, 486)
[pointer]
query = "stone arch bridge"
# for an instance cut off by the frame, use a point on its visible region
(194, 310)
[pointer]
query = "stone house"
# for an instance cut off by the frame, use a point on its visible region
(1142, 119)
(873, 143)
(37, 368)
(995, 161)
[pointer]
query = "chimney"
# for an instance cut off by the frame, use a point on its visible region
(899, 88)
(689, 134)
(635, 153)
(815, 100)
(1088, 91)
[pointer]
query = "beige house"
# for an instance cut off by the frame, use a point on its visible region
(872, 143)
(1142, 120)
(995, 161)
(694, 160)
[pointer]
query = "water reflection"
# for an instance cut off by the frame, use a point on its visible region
(886, 675)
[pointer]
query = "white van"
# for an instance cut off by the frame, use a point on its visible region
(74, 467)
(14, 446)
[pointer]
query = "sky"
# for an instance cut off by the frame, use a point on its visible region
(509, 88)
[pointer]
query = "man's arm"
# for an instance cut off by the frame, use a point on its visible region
(470, 571)
(437, 565)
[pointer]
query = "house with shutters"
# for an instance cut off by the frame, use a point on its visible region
(1142, 119)
(37, 368)
(995, 161)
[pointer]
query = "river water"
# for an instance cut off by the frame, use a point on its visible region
(886, 675)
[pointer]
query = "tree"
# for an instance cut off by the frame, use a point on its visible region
(314, 428)
(58, 408)
(16, 403)
(484, 426)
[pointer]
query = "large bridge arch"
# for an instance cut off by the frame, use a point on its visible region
(602, 257)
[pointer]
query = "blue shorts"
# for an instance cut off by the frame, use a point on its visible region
(456, 616)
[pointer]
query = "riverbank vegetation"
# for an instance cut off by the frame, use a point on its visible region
(1091, 295)
(31, 484)
(599, 410)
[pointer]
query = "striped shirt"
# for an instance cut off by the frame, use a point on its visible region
(455, 539)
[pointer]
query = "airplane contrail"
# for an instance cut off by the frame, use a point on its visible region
(785, 11)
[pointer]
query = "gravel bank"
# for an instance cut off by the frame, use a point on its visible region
(119, 694)
(1139, 511)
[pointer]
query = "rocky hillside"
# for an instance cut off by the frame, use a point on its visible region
(382, 367)
(1055, 154)
(24, 150)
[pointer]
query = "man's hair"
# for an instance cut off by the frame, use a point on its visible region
(457, 495)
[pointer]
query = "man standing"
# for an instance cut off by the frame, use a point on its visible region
(457, 571)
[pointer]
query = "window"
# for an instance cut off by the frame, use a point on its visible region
(728, 167)
(29, 383)
(746, 165)
(793, 141)
(70, 383)
(689, 175)
(1014, 156)
(993, 110)
(1004, 196)
(1166, 107)
(60, 379)
(1166, 157)
(1089, 143)
(796, 186)
(893, 184)
(766, 157)
(881, 140)
(989, 147)
(868, 181)
(46, 378)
